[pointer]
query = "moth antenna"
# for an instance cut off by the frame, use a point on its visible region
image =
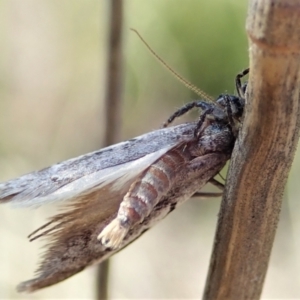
(184, 81)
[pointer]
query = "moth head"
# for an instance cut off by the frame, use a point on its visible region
(236, 104)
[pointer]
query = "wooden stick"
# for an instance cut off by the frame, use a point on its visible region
(263, 153)
(113, 107)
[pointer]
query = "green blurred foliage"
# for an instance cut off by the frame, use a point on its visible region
(204, 41)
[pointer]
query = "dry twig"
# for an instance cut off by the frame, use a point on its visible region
(113, 105)
(263, 153)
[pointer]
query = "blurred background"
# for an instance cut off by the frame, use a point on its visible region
(53, 61)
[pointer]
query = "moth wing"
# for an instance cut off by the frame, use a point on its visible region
(72, 241)
(25, 195)
(94, 194)
(55, 182)
(72, 234)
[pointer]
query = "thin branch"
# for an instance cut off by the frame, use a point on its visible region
(113, 106)
(263, 153)
(114, 75)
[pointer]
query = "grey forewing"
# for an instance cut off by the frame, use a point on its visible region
(50, 179)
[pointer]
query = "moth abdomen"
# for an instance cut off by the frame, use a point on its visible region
(144, 194)
(157, 180)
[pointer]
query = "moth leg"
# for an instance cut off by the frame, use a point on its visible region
(201, 120)
(229, 110)
(211, 195)
(239, 87)
(221, 176)
(184, 109)
(217, 183)
(207, 195)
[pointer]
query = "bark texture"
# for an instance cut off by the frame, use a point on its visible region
(263, 153)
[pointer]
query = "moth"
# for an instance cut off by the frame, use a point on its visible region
(112, 196)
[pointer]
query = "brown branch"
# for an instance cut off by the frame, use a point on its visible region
(113, 106)
(263, 153)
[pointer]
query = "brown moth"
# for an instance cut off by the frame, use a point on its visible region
(114, 195)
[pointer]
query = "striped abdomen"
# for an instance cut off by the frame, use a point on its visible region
(147, 191)
(144, 194)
